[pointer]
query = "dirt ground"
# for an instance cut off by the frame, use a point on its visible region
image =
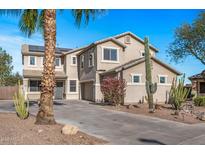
(164, 112)
(16, 131)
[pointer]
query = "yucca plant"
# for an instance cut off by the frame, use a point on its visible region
(20, 104)
(178, 94)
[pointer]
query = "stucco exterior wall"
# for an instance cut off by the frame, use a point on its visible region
(133, 49)
(72, 74)
(139, 90)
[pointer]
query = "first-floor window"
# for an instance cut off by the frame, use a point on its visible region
(73, 86)
(136, 78)
(162, 79)
(35, 85)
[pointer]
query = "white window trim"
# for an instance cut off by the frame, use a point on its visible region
(91, 53)
(29, 58)
(70, 92)
(42, 61)
(142, 51)
(140, 79)
(71, 63)
(59, 62)
(110, 61)
(166, 81)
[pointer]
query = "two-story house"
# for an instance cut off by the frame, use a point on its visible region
(122, 56)
(32, 59)
(79, 72)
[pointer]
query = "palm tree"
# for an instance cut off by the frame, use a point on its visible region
(45, 21)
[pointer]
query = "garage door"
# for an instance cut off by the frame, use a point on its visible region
(87, 91)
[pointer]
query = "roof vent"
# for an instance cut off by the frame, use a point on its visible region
(127, 39)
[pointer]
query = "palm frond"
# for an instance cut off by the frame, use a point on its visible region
(85, 14)
(40, 25)
(11, 12)
(28, 22)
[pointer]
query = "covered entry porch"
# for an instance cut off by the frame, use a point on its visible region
(32, 89)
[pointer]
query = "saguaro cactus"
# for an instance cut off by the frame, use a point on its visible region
(151, 88)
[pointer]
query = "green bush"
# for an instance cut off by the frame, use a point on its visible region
(199, 101)
(20, 104)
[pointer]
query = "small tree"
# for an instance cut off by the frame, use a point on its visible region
(113, 90)
(189, 41)
(178, 94)
(5, 66)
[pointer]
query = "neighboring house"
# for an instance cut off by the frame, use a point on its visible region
(81, 70)
(122, 56)
(198, 83)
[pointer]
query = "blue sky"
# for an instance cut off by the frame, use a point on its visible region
(159, 25)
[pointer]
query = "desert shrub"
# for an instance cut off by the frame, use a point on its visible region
(20, 104)
(199, 101)
(113, 90)
(178, 94)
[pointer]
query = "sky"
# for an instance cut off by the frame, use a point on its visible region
(158, 25)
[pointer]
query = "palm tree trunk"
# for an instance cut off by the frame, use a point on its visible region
(45, 114)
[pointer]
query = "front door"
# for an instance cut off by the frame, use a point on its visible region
(59, 90)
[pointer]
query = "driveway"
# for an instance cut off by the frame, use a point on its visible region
(119, 127)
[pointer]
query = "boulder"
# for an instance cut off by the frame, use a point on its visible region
(202, 116)
(69, 130)
(130, 106)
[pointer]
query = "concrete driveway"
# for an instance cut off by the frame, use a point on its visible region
(119, 127)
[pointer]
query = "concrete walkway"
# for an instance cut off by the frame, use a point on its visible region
(119, 127)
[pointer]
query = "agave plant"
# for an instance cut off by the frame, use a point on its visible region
(20, 104)
(178, 94)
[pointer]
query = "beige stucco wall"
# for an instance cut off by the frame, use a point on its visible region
(134, 49)
(72, 74)
(39, 64)
(136, 92)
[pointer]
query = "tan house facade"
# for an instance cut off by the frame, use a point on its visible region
(122, 55)
(81, 71)
(198, 83)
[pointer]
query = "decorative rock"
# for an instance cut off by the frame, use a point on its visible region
(130, 106)
(202, 116)
(158, 107)
(40, 130)
(69, 130)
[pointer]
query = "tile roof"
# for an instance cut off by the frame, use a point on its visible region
(198, 76)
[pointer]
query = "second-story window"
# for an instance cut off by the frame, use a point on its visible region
(91, 59)
(32, 60)
(110, 54)
(58, 62)
(82, 61)
(73, 60)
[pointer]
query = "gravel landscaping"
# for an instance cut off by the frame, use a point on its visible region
(16, 131)
(164, 111)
